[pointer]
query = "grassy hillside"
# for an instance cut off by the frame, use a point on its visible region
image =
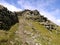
(33, 33)
(29, 32)
(27, 28)
(7, 36)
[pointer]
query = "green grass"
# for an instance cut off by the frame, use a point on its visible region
(46, 33)
(47, 37)
(7, 36)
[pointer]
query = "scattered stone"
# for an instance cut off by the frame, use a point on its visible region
(12, 42)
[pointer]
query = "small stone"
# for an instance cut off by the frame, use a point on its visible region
(12, 42)
(16, 38)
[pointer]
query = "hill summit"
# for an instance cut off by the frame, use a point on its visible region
(36, 16)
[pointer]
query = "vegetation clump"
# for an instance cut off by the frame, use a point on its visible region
(7, 18)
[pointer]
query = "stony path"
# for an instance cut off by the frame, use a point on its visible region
(24, 34)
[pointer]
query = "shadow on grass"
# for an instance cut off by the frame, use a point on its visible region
(7, 26)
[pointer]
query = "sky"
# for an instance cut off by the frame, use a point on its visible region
(48, 8)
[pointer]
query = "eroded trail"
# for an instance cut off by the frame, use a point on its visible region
(27, 36)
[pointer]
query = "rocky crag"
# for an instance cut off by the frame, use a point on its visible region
(36, 16)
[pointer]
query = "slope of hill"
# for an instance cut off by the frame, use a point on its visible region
(32, 29)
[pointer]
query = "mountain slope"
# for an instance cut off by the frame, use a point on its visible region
(32, 32)
(32, 29)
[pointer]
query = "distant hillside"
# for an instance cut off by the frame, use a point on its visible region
(27, 27)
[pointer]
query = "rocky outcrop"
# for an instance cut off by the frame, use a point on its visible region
(36, 16)
(7, 18)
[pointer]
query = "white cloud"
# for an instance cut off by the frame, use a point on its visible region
(9, 6)
(58, 21)
(25, 5)
(51, 17)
